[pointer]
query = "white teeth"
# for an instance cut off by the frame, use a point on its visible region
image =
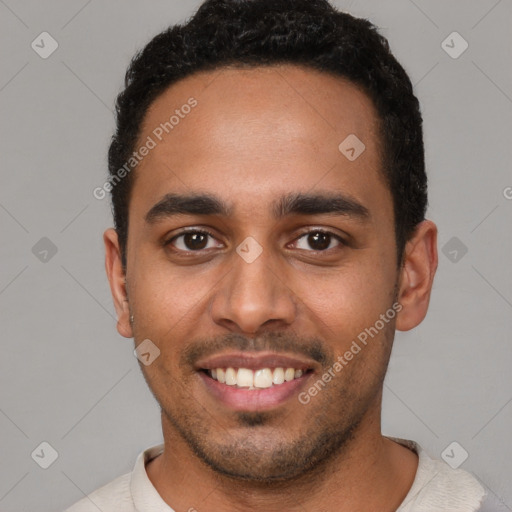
(278, 377)
(289, 374)
(261, 378)
(245, 378)
(230, 376)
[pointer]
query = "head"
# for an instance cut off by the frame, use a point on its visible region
(256, 33)
(285, 138)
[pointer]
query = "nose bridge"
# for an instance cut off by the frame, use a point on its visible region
(254, 280)
(252, 293)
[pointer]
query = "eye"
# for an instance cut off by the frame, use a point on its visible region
(318, 240)
(191, 241)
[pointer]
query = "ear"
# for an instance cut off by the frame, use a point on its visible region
(417, 276)
(116, 277)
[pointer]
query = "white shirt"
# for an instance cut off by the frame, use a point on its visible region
(436, 487)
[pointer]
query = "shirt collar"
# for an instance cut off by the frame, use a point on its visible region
(144, 495)
(432, 479)
(436, 485)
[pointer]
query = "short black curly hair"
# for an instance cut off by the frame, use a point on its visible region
(309, 33)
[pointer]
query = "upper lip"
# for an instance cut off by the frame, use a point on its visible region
(254, 361)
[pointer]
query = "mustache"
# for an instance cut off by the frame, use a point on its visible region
(290, 343)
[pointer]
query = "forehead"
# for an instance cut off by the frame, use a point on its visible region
(259, 132)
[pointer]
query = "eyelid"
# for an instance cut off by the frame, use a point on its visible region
(185, 231)
(339, 238)
(202, 230)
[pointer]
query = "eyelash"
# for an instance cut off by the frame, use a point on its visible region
(206, 232)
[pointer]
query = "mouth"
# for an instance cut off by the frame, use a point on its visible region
(245, 382)
(261, 378)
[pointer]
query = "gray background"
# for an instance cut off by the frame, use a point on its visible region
(68, 378)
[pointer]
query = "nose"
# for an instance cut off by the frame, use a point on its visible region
(253, 297)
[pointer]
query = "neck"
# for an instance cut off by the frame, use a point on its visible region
(371, 472)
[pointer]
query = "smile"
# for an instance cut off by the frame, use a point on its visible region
(254, 379)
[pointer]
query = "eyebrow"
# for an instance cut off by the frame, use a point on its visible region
(290, 204)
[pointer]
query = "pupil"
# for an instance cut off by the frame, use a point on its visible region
(195, 240)
(319, 241)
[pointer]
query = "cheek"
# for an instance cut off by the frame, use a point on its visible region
(347, 302)
(166, 298)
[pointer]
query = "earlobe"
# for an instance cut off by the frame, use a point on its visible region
(417, 276)
(117, 280)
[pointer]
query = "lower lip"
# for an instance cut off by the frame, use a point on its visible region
(245, 399)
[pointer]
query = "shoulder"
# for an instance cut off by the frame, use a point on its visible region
(439, 487)
(123, 493)
(492, 503)
(112, 497)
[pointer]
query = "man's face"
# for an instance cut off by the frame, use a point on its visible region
(256, 140)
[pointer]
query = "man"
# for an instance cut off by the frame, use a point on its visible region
(269, 196)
